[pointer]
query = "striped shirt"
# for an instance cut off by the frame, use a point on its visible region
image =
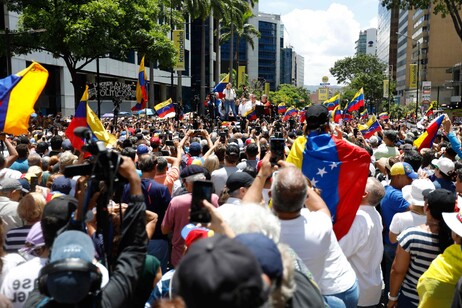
(16, 237)
(422, 245)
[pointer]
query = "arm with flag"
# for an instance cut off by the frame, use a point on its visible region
(357, 101)
(18, 94)
(165, 109)
(141, 93)
(84, 116)
(426, 139)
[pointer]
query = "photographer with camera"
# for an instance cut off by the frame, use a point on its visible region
(70, 278)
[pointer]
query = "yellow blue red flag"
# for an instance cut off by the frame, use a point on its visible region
(165, 109)
(141, 93)
(18, 94)
(332, 102)
(357, 101)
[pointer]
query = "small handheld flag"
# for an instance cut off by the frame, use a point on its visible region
(219, 87)
(292, 111)
(357, 101)
(426, 139)
(337, 114)
(332, 102)
(282, 108)
(383, 116)
(165, 109)
(251, 114)
(370, 128)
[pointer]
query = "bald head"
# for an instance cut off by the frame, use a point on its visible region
(289, 190)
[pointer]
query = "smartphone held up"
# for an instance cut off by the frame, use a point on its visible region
(202, 190)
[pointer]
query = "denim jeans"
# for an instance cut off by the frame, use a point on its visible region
(229, 104)
(346, 299)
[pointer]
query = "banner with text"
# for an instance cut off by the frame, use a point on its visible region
(323, 94)
(386, 86)
(178, 42)
(413, 76)
(240, 75)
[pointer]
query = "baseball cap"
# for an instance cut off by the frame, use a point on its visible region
(195, 149)
(191, 170)
(66, 145)
(61, 208)
(232, 150)
(315, 116)
(34, 239)
(402, 168)
(266, 252)
(70, 287)
(238, 180)
(444, 164)
(8, 184)
(443, 199)
(219, 272)
(142, 149)
(155, 141)
(414, 193)
(61, 184)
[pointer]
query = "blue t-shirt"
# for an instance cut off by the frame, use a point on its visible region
(21, 165)
(445, 184)
(392, 203)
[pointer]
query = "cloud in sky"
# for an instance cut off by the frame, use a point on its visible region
(322, 37)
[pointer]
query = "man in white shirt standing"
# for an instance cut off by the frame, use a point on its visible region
(363, 245)
(230, 96)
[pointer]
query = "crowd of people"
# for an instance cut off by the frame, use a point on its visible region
(273, 237)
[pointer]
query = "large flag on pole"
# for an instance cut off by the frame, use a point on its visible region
(356, 102)
(165, 109)
(84, 116)
(426, 139)
(221, 86)
(18, 94)
(141, 92)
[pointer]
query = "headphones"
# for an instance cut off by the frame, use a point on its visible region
(70, 265)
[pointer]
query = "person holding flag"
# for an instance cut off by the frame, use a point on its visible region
(141, 92)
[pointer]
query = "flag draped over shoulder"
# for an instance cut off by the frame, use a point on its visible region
(18, 94)
(141, 93)
(292, 111)
(339, 169)
(370, 127)
(357, 101)
(282, 108)
(84, 116)
(165, 109)
(337, 114)
(426, 139)
(332, 102)
(219, 87)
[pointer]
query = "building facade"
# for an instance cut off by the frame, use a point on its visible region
(387, 38)
(367, 42)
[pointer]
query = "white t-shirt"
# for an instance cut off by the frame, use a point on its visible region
(384, 151)
(402, 221)
(20, 281)
(220, 176)
(10, 261)
(319, 250)
(363, 247)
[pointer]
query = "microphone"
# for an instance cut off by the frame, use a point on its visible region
(82, 132)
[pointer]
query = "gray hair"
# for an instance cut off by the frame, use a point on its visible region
(34, 159)
(375, 191)
(282, 294)
(251, 217)
(289, 190)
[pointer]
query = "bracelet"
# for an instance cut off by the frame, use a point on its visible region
(392, 298)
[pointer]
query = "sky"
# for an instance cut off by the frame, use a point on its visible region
(322, 31)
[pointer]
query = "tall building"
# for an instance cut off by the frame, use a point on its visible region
(286, 65)
(404, 53)
(117, 77)
(299, 70)
(387, 38)
(367, 42)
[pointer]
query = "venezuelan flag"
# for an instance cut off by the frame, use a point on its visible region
(141, 93)
(165, 109)
(370, 128)
(84, 116)
(356, 102)
(221, 86)
(429, 110)
(282, 108)
(426, 139)
(332, 102)
(383, 116)
(364, 114)
(338, 168)
(251, 115)
(18, 94)
(347, 117)
(337, 114)
(302, 116)
(292, 111)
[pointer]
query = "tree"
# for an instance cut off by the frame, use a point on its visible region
(81, 31)
(361, 71)
(442, 7)
(291, 95)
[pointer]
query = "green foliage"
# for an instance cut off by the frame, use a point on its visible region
(361, 71)
(80, 31)
(442, 7)
(291, 95)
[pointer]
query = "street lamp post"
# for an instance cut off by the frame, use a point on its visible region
(418, 69)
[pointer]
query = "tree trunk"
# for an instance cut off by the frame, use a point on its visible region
(202, 89)
(218, 51)
(231, 54)
(456, 18)
(237, 62)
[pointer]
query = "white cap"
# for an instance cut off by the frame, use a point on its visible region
(414, 193)
(444, 164)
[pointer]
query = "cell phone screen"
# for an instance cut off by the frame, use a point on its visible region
(33, 183)
(201, 190)
(277, 146)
